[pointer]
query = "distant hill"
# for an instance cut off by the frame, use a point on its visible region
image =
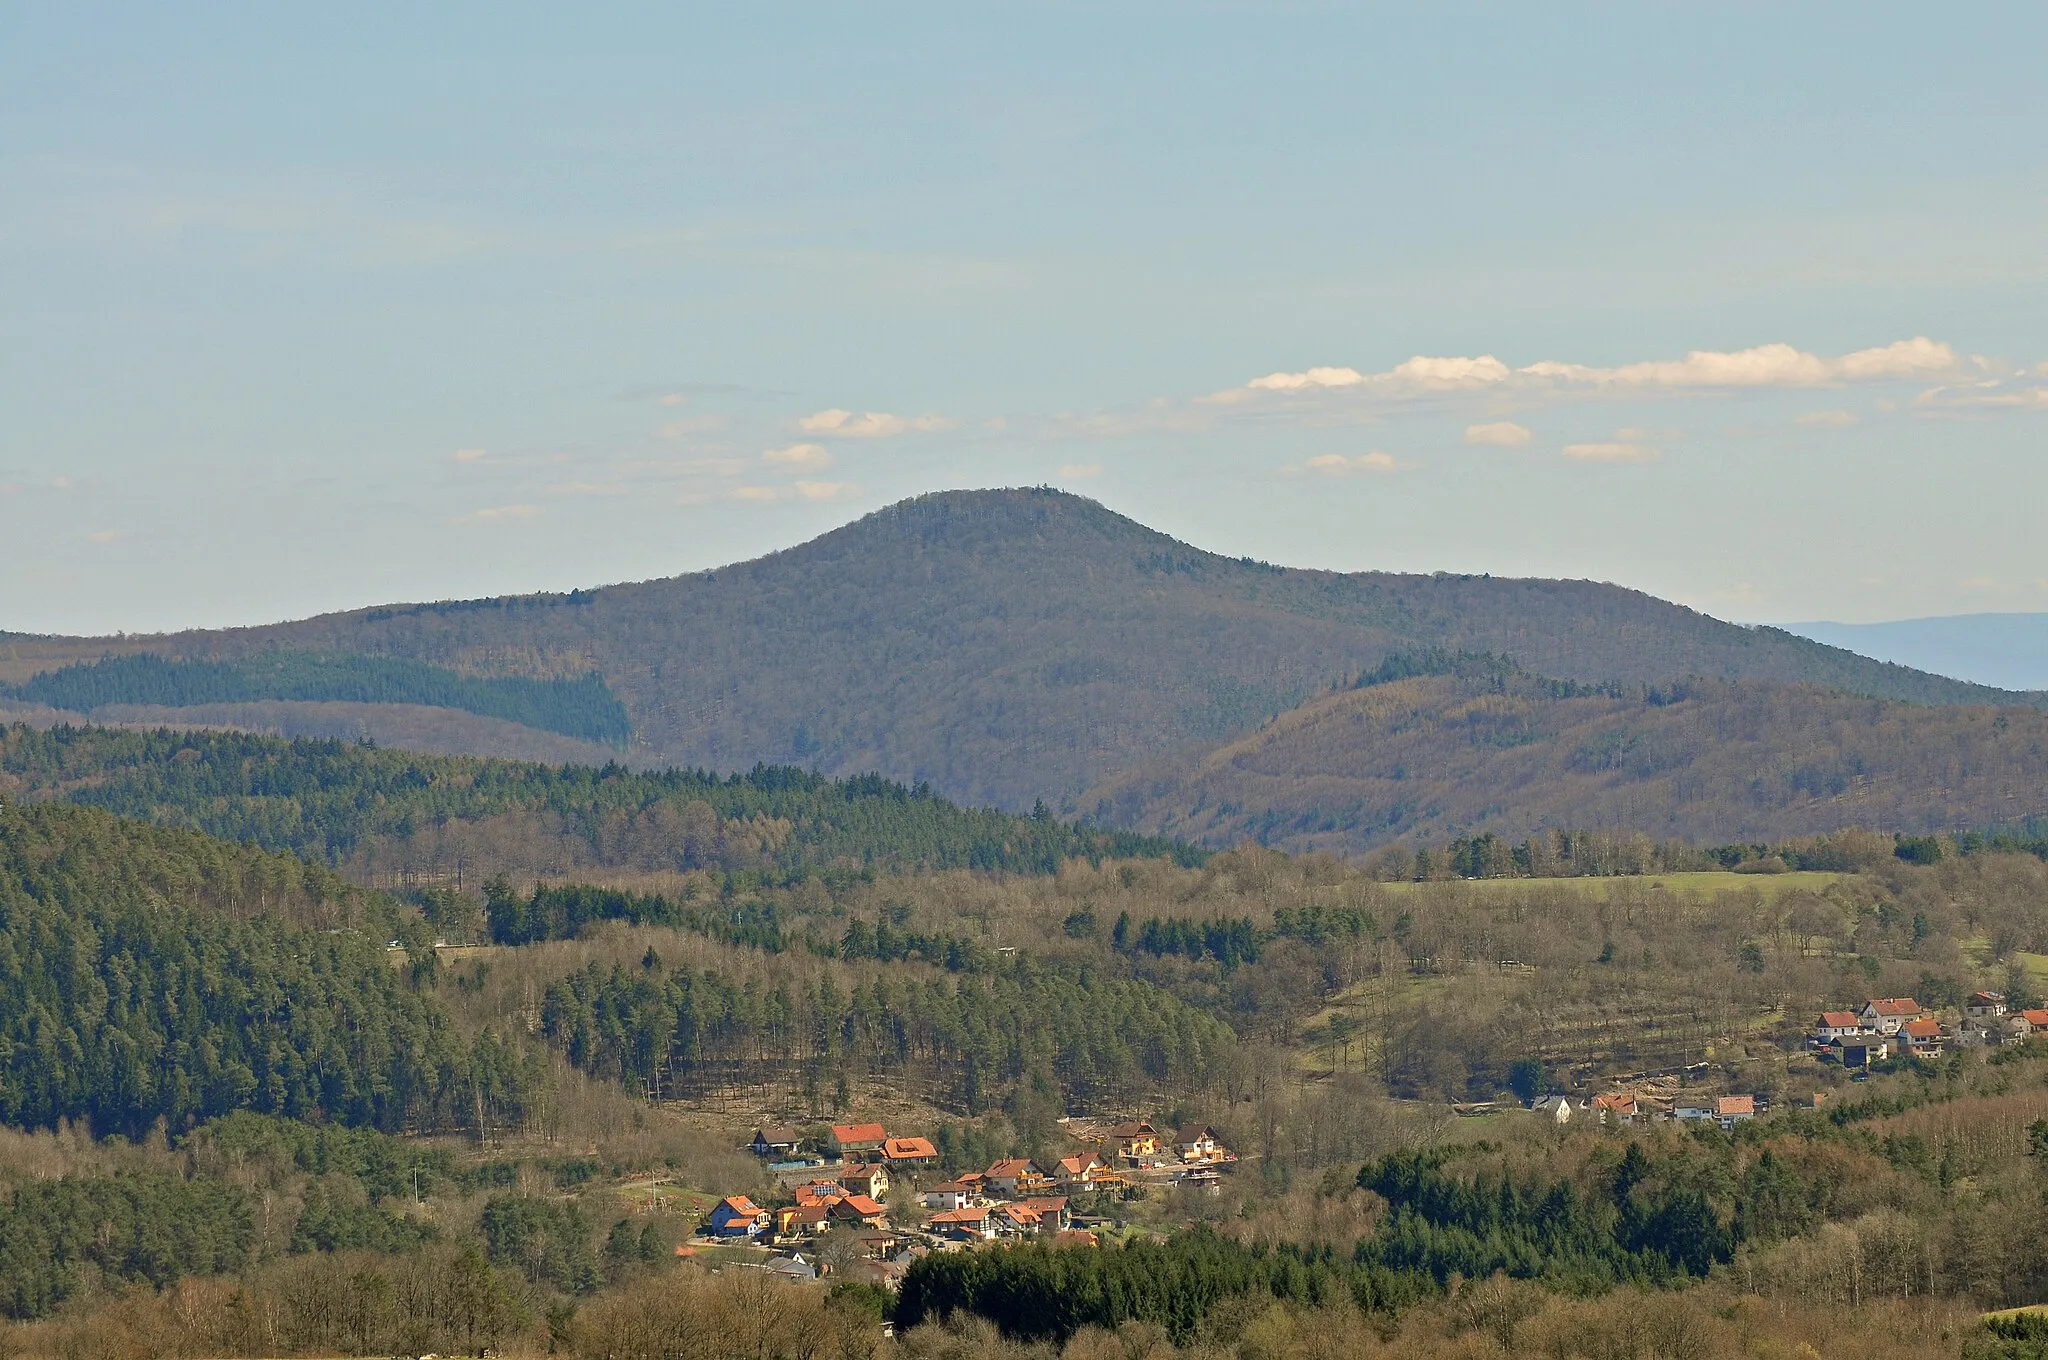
(2010, 650)
(1707, 761)
(1003, 645)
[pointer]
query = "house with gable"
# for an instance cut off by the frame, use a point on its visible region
(736, 1216)
(1984, 1006)
(1888, 1015)
(777, 1140)
(903, 1152)
(851, 1139)
(1085, 1170)
(1732, 1110)
(971, 1224)
(1135, 1140)
(1921, 1038)
(1615, 1107)
(1836, 1025)
(867, 1178)
(1015, 1176)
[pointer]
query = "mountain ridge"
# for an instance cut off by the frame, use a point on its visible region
(1017, 644)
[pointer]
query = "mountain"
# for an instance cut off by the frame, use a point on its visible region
(2010, 650)
(1002, 645)
(1706, 761)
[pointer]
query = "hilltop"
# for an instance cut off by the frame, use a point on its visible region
(1706, 761)
(1002, 645)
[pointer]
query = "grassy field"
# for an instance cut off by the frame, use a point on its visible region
(2037, 966)
(1699, 884)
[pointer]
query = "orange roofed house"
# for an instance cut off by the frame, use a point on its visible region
(1889, 1014)
(736, 1216)
(1922, 1037)
(909, 1152)
(848, 1138)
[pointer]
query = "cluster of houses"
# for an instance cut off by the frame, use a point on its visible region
(1628, 1107)
(875, 1194)
(1899, 1026)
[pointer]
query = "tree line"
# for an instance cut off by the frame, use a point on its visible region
(583, 707)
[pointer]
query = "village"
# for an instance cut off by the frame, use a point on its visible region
(864, 1204)
(1881, 1030)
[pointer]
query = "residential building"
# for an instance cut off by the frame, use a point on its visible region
(777, 1140)
(1886, 1015)
(869, 1178)
(1051, 1210)
(1984, 1006)
(1015, 1176)
(1196, 1143)
(848, 1139)
(803, 1220)
(792, 1267)
(1616, 1107)
(1555, 1108)
(1921, 1038)
(951, 1195)
(1693, 1109)
(1135, 1140)
(736, 1216)
(1834, 1025)
(902, 1152)
(858, 1209)
(1732, 1110)
(970, 1224)
(1083, 1170)
(1861, 1053)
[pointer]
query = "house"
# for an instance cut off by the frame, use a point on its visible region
(870, 1179)
(1921, 1038)
(1732, 1110)
(971, 1224)
(852, 1138)
(902, 1152)
(812, 1193)
(1014, 1176)
(1556, 1108)
(1861, 1053)
(1075, 1237)
(1196, 1143)
(792, 1267)
(951, 1195)
(2023, 1023)
(1615, 1107)
(1014, 1220)
(1083, 1170)
(736, 1216)
(803, 1220)
(1834, 1025)
(1692, 1109)
(1886, 1015)
(1051, 1210)
(1135, 1140)
(1985, 1005)
(858, 1209)
(776, 1140)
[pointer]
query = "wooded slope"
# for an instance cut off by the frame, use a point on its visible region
(1708, 761)
(1011, 645)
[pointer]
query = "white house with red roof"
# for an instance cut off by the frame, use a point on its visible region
(1837, 1025)
(1889, 1014)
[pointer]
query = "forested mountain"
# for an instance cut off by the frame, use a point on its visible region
(374, 811)
(1003, 645)
(150, 975)
(1495, 749)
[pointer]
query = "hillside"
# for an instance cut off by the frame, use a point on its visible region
(392, 816)
(1003, 645)
(1708, 761)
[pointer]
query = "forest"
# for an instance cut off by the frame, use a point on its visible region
(265, 1107)
(377, 811)
(583, 707)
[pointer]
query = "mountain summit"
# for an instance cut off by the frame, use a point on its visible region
(1004, 645)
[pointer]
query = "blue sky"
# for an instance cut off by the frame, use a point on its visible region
(302, 310)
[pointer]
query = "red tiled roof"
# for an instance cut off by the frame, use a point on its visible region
(1009, 1168)
(1895, 1005)
(1728, 1105)
(906, 1149)
(2036, 1018)
(1923, 1029)
(1840, 1019)
(739, 1204)
(859, 1133)
(971, 1214)
(864, 1206)
(1079, 1164)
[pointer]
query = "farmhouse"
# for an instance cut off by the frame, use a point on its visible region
(851, 1138)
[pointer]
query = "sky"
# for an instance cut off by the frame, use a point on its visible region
(305, 308)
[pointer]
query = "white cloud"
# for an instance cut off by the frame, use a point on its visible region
(1827, 420)
(1990, 395)
(812, 456)
(1499, 433)
(468, 455)
(826, 491)
(756, 493)
(493, 514)
(1776, 365)
(106, 535)
(674, 399)
(1080, 471)
(1340, 464)
(870, 424)
(1618, 451)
